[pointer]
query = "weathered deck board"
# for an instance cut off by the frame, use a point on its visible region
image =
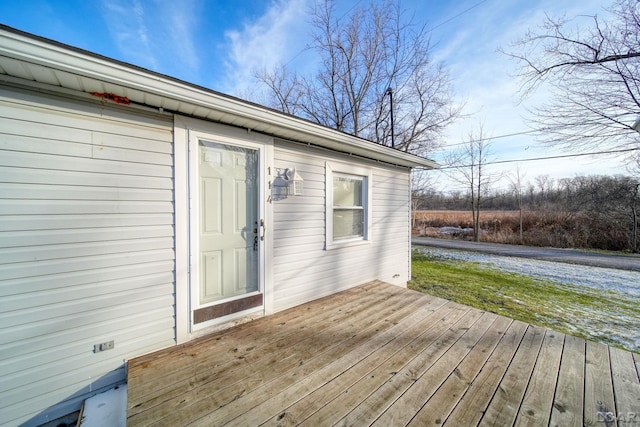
(320, 371)
(474, 403)
(626, 387)
(221, 377)
(402, 410)
(379, 354)
(535, 408)
(567, 405)
(344, 305)
(598, 386)
(388, 357)
(426, 345)
(503, 408)
(448, 395)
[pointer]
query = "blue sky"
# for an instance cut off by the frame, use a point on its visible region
(218, 43)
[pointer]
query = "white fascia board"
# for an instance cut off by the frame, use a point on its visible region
(71, 60)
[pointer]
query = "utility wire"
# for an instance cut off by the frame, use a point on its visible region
(456, 16)
(490, 138)
(533, 159)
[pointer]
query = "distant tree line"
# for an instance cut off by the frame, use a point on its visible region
(584, 211)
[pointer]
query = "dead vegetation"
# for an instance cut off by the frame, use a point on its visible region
(539, 228)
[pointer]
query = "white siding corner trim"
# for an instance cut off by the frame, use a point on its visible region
(181, 194)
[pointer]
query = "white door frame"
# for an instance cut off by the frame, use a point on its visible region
(187, 129)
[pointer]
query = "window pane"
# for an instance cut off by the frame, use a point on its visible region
(347, 191)
(348, 223)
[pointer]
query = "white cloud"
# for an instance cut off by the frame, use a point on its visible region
(169, 37)
(275, 38)
(155, 35)
(484, 78)
(126, 23)
(180, 20)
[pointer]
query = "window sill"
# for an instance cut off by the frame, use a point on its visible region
(346, 243)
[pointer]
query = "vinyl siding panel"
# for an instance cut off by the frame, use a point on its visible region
(303, 269)
(44, 222)
(107, 180)
(86, 248)
(29, 253)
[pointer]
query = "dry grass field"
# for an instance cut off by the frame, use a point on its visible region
(539, 228)
(496, 226)
(462, 218)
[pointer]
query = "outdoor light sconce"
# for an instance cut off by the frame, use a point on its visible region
(295, 182)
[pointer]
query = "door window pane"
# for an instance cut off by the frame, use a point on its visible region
(228, 211)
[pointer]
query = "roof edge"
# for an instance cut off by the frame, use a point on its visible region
(38, 50)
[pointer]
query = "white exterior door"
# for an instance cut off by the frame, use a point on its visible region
(227, 226)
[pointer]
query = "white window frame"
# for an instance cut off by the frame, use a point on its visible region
(359, 172)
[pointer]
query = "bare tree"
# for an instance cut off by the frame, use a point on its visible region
(545, 186)
(422, 183)
(421, 189)
(469, 163)
(634, 217)
(284, 88)
(364, 54)
(517, 187)
(593, 72)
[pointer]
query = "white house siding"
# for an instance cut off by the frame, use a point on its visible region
(86, 248)
(303, 269)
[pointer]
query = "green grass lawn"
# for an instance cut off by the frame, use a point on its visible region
(609, 317)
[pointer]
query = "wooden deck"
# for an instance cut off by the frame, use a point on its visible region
(383, 355)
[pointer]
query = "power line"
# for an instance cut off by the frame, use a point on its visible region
(456, 16)
(491, 138)
(533, 159)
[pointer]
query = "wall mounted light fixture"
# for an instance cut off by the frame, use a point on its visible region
(295, 182)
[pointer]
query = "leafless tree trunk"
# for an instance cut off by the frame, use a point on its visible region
(634, 169)
(468, 164)
(592, 67)
(363, 54)
(634, 216)
(545, 185)
(517, 188)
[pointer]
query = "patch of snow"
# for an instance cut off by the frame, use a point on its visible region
(609, 321)
(454, 231)
(602, 279)
(106, 409)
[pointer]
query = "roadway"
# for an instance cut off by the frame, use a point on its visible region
(569, 256)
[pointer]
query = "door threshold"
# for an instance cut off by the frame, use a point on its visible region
(217, 311)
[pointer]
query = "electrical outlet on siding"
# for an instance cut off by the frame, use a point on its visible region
(103, 346)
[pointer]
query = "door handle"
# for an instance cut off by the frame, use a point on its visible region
(263, 229)
(255, 237)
